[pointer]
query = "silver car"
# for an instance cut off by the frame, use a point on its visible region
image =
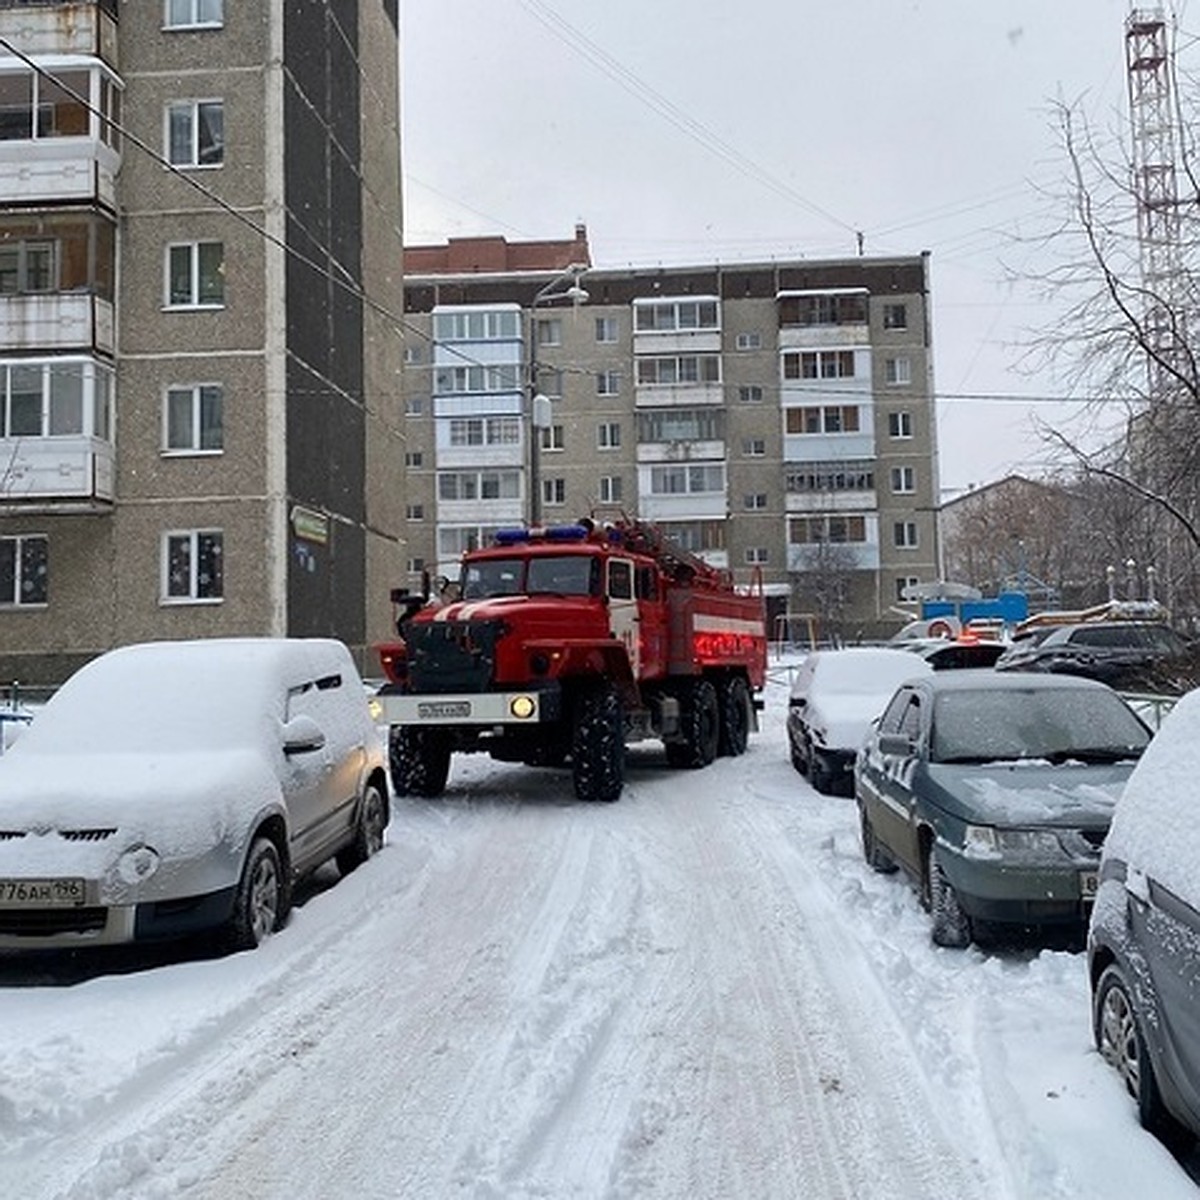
(174, 787)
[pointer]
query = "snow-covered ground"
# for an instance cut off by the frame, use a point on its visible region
(700, 991)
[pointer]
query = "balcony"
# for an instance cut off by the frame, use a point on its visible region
(82, 27)
(79, 170)
(53, 474)
(58, 321)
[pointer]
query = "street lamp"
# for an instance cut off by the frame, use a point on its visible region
(565, 286)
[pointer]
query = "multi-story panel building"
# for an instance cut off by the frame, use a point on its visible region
(200, 298)
(776, 418)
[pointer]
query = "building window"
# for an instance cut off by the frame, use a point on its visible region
(610, 489)
(754, 501)
(480, 325)
(754, 447)
(193, 565)
(552, 438)
(196, 133)
(897, 370)
(903, 584)
(684, 369)
(904, 480)
(550, 382)
(414, 406)
(904, 535)
(416, 566)
(190, 14)
(61, 398)
(196, 275)
(819, 364)
(757, 556)
(485, 431)
(830, 418)
(194, 419)
(554, 492)
(831, 477)
(681, 425)
(414, 458)
(414, 512)
(608, 330)
(678, 479)
(28, 266)
(501, 378)
(608, 383)
(608, 435)
(24, 570)
(835, 529)
(895, 316)
(751, 394)
(412, 355)
(549, 332)
(44, 106)
(832, 308)
(675, 315)
(900, 425)
(479, 485)
(749, 341)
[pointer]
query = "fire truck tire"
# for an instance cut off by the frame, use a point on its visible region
(701, 726)
(735, 718)
(419, 760)
(598, 746)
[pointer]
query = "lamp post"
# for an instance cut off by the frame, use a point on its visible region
(565, 286)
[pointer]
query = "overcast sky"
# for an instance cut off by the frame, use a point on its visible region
(694, 131)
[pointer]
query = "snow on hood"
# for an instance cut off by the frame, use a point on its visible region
(846, 717)
(1030, 794)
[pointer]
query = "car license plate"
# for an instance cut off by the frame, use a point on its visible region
(1088, 883)
(441, 709)
(41, 893)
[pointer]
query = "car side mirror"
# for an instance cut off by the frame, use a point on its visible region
(302, 735)
(897, 745)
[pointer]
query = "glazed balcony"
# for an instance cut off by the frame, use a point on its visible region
(56, 473)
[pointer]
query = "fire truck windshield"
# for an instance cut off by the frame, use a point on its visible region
(565, 575)
(492, 577)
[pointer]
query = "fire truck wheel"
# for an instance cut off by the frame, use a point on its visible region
(700, 722)
(598, 746)
(735, 718)
(419, 760)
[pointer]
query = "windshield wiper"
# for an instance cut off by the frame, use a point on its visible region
(1095, 754)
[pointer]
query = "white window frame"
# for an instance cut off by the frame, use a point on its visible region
(754, 447)
(904, 481)
(608, 331)
(414, 512)
(196, 401)
(751, 393)
(608, 435)
(194, 301)
(549, 331)
(608, 383)
(905, 535)
(754, 501)
(554, 493)
(414, 406)
(903, 583)
(193, 14)
(757, 556)
(189, 112)
(20, 568)
(195, 584)
(610, 489)
(900, 425)
(749, 341)
(897, 372)
(895, 315)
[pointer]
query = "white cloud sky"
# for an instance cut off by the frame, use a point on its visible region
(690, 131)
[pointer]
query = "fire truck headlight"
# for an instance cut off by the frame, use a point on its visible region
(522, 707)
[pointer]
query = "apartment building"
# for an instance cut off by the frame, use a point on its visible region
(775, 418)
(200, 289)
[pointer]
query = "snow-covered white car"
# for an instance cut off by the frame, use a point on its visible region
(1144, 937)
(836, 694)
(174, 787)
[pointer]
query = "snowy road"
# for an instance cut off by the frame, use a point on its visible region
(699, 991)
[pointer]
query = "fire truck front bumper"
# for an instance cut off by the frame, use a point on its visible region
(525, 707)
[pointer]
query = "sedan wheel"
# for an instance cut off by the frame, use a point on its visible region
(951, 925)
(368, 833)
(1120, 1042)
(261, 903)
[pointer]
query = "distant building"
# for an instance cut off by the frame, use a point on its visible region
(200, 416)
(772, 417)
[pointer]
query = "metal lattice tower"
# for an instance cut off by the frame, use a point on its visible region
(1153, 117)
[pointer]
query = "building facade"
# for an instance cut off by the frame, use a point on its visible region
(776, 418)
(200, 298)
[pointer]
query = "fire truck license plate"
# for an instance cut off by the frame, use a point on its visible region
(440, 709)
(40, 893)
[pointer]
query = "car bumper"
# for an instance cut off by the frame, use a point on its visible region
(1001, 893)
(112, 925)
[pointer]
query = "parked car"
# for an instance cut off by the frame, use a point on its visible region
(954, 654)
(1144, 937)
(994, 793)
(835, 696)
(1145, 656)
(174, 787)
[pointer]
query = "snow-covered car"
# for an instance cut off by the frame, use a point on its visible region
(994, 792)
(1144, 937)
(174, 787)
(835, 696)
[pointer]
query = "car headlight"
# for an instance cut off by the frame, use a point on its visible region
(137, 864)
(985, 841)
(980, 841)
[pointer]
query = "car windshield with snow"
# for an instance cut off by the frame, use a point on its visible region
(175, 787)
(995, 793)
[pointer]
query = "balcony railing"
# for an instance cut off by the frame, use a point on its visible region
(56, 321)
(54, 472)
(55, 27)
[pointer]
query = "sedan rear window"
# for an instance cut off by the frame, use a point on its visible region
(1043, 723)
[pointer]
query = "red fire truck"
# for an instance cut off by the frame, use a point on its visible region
(561, 645)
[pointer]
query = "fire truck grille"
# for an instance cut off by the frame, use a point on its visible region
(452, 656)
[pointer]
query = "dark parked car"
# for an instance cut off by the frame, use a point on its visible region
(1144, 939)
(1134, 656)
(956, 654)
(994, 793)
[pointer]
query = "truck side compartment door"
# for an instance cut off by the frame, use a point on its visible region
(623, 609)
